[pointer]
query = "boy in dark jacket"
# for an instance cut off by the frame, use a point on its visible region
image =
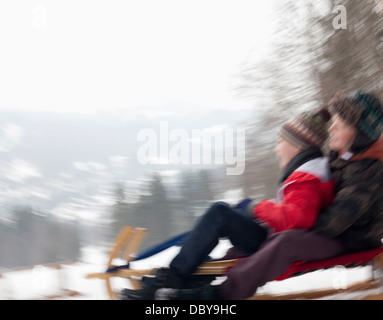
(354, 221)
(307, 187)
(356, 217)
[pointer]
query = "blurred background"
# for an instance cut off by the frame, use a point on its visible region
(80, 79)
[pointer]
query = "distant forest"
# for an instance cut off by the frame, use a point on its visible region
(30, 238)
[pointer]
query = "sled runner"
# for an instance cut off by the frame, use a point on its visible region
(130, 238)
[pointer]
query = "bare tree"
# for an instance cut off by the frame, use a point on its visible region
(353, 57)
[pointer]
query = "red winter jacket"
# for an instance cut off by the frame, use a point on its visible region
(303, 194)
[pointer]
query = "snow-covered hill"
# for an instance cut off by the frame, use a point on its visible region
(68, 282)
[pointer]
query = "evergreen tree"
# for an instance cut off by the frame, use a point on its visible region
(37, 238)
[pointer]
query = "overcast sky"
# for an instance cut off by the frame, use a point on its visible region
(87, 55)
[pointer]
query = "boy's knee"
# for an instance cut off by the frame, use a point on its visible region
(289, 236)
(220, 205)
(218, 209)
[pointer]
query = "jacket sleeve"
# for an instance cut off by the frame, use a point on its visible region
(350, 204)
(299, 208)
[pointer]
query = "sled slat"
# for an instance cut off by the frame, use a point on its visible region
(120, 240)
(134, 243)
(378, 261)
(221, 263)
(315, 294)
(130, 238)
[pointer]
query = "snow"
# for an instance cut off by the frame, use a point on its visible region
(42, 282)
(69, 282)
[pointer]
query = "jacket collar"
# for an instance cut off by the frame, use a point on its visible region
(301, 158)
(375, 151)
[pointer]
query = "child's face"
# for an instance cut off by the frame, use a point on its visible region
(341, 135)
(285, 151)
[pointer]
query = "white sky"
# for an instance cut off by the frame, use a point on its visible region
(87, 55)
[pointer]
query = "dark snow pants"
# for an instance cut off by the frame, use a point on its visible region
(220, 221)
(274, 257)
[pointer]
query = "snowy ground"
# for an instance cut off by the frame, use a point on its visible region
(43, 282)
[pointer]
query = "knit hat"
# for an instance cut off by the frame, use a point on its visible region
(362, 110)
(308, 129)
(359, 109)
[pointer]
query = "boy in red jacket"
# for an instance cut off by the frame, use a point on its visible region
(306, 188)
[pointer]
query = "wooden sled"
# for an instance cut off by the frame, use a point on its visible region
(130, 238)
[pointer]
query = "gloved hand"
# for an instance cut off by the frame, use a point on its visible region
(242, 205)
(246, 207)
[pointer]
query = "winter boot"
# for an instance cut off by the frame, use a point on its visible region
(149, 287)
(205, 291)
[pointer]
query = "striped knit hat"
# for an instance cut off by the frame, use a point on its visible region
(360, 109)
(308, 129)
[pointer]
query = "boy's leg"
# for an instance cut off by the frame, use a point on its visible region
(219, 221)
(274, 257)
